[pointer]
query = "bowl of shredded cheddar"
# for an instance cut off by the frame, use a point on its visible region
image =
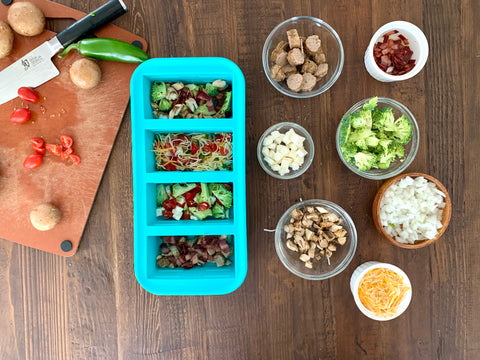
(381, 291)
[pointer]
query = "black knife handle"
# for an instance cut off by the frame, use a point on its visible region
(93, 21)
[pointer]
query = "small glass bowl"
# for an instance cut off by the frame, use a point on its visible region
(307, 144)
(321, 269)
(331, 45)
(397, 166)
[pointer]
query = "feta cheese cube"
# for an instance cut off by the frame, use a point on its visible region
(275, 167)
(277, 156)
(268, 140)
(282, 149)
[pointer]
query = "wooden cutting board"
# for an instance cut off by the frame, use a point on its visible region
(91, 117)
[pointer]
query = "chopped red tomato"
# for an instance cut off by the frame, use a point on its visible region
(170, 167)
(55, 149)
(66, 141)
(169, 204)
(194, 148)
(167, 214)
(203, 206)
(75, 158)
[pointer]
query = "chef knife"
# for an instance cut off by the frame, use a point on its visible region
(36, 67)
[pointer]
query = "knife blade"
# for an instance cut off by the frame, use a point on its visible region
(36, 67)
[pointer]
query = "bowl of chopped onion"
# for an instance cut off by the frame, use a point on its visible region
(381, 291)
(285, 150)
(412, 210)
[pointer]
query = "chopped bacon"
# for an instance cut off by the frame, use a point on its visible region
(394, 56)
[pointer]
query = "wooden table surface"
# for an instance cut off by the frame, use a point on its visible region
(90, 306)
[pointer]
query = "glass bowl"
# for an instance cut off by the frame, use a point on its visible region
(321, 269)
(331, 45)
(307, 144)
(397, 166)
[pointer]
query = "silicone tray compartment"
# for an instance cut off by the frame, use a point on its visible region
(148, 228)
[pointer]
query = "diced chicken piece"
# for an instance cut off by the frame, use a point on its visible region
(309, 66)
(319, 57)
(309, 264)
(279, 57)
(304, 257)
(277, 73)
(322, 70)
(289, 70)
(295, 57)
(295, 82)
(309, 82)
(294, 40)
(312, 44)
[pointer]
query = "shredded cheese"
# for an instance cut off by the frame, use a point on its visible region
(381, 291)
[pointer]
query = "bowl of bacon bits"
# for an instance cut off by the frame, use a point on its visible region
(397, 51)
(381, 291)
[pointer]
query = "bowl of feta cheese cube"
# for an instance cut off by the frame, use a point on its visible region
(285, 150)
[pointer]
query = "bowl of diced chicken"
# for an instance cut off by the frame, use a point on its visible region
(285, 150)
(303, 57)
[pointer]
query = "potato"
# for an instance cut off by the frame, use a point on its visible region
(6, 39)
(45, 217)
(26, 18)
(85, 73)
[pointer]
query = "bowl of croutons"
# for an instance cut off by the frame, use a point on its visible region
(303, 57)
(315, 239)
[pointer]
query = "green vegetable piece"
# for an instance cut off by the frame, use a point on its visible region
(203, 109)
(219, 212)
(403, 130)
(222, 194)
(165, 105)
(383, 119)
(357, 121)
(359, 137)
(367, 118)
(180, 189)
(204, 195)
(193, 88)
(161, 194)
(344, 130)
(227, 102)
(200, 215)
(365, 161)
(349, 151)
(372, 104)
(372, 141)
(211, 90)
(159, 91)
(108, 49)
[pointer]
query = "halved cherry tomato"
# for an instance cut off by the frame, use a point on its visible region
(66, 141)
(65, 154)
(55, 149)
(170, 167)
(20, 116)
(169, 204)
(167, 214)
(27, 94)
(194, 148)
(189, 195)
(75, 158)
(203, 206)
(183, 137)
(38, 145)
(33, 161)
(222, 151)
(185, 216)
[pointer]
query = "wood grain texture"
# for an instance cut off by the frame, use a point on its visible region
(90, 306)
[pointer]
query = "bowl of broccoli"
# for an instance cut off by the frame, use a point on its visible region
(377, 138)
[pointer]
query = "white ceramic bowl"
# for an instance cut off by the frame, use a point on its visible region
(417, 42)
(360, 272)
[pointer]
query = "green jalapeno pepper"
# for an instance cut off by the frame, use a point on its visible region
(108, 49)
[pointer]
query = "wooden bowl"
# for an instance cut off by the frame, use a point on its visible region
(447, 211)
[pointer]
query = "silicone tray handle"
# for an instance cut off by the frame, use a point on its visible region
(91, 22)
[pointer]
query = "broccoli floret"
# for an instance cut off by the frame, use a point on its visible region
(372, 104)
(193, 88)
(159, 91)
(357, 121)
(403, 130)
(367, 117)
(383, 145)
(385, 159)
(204, 195)
(398, 149)
(219, 212)
(161, 194)
(227, 102)
(383, 119)
(211, 90)
(349, 151)
(180, 189)
(358, 137)
(344, 130)
(372, 141)
(165, 105)
(200, 214)
(203, 109)
(364, 161)
(222, 194)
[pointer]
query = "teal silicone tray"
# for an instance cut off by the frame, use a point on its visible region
(148, 228)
